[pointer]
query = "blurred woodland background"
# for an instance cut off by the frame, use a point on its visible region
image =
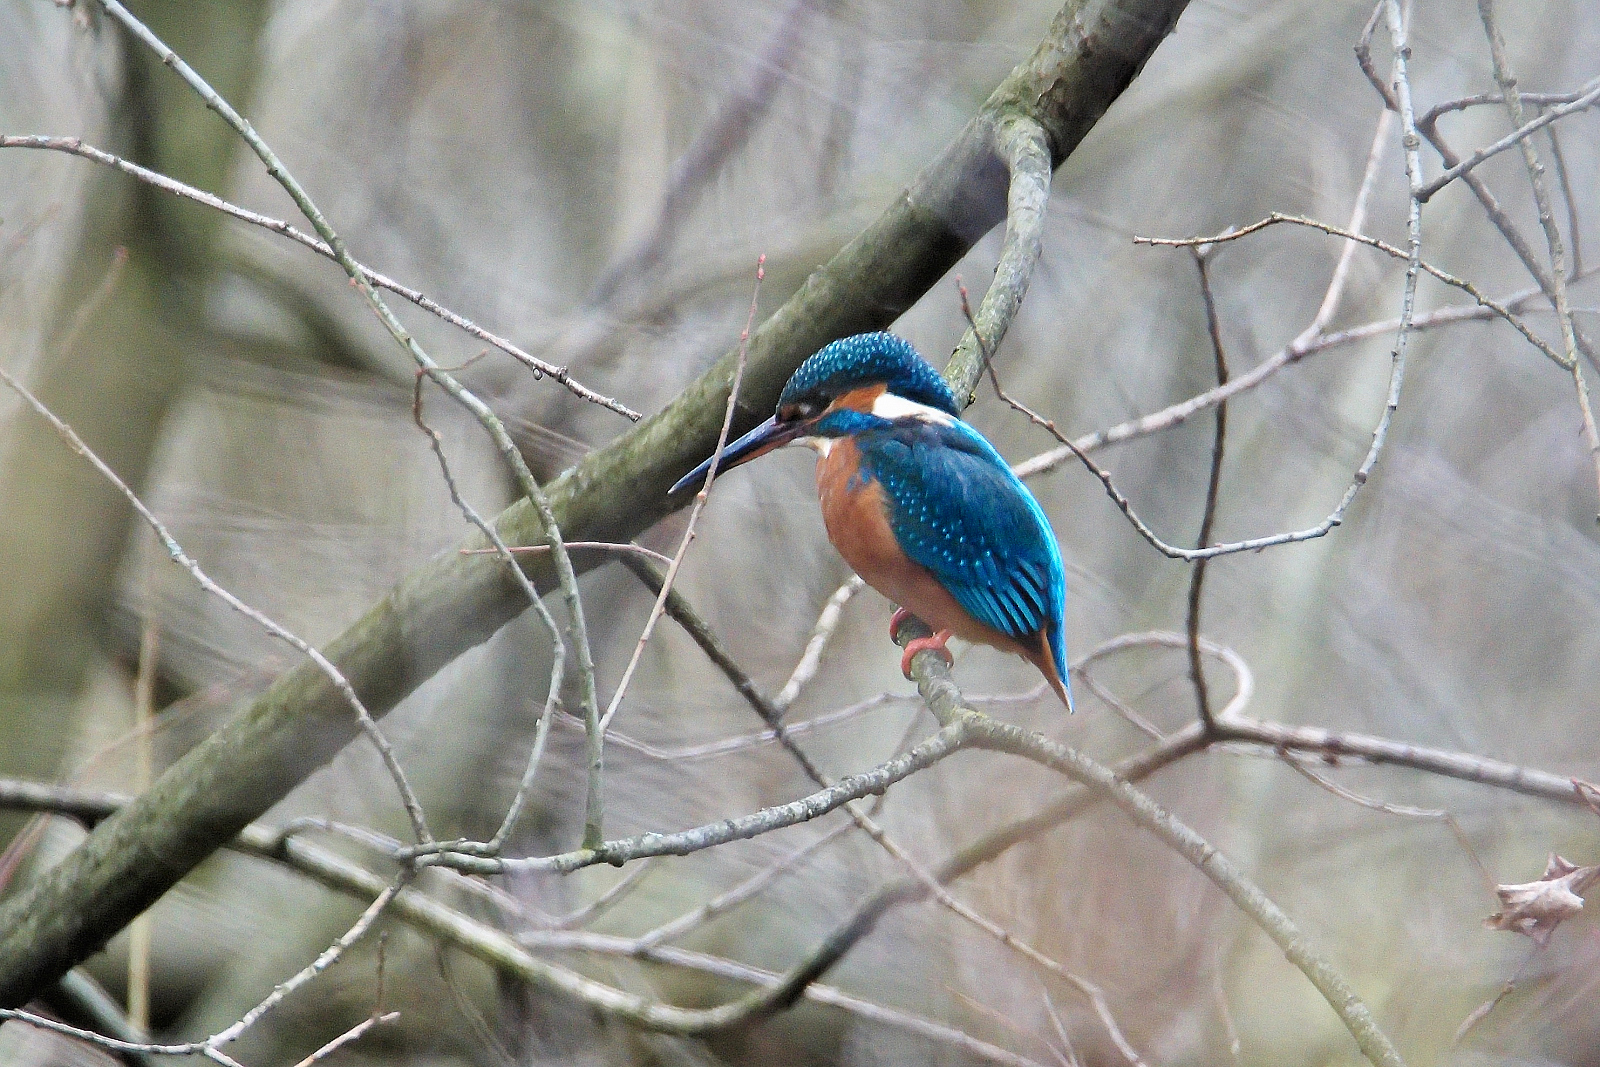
(595, 180)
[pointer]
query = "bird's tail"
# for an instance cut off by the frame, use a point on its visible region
(1052, 663)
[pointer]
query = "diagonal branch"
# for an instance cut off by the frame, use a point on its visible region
(540, 368)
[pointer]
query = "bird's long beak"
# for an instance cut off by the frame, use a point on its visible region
(758, 442)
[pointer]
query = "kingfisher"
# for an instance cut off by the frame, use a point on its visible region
(919, 504)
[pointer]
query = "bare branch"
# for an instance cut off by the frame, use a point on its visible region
(1547, 220)
(700, 499)
(1462, 765)
(540, 368)
(1022, 144)
(944, 699)
(1197, 579)
(821, 634)
(1518, 137)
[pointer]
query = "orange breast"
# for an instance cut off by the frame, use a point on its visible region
(857, 518)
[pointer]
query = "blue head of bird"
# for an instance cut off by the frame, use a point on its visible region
(917, 501)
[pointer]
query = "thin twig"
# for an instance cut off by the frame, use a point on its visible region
(112, 1044)
(540, 368)
(1518, 137)
(1574, 231)
(1502, 221)
(1478, 1014)
(1196, 581)
(327, 958)
(1232, 1031)
(175, 551)
(605, 901)
(558, 647)
(1432, 115)
(1465, 766)
(1405, 811)
(699, 503)
(1547, 220)
(355, 1033)
(101, 1012)
(821, 633)
(1069, 1056)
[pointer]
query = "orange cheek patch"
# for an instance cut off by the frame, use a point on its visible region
(861, 399)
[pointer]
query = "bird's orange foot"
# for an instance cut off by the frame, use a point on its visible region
(925, 644)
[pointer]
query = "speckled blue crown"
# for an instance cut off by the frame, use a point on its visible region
(851, 362)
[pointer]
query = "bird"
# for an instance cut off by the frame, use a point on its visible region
(919, 503)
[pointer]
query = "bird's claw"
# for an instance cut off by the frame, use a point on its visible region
(897, 620)
(925, 644)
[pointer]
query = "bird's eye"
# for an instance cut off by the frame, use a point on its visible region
(805, 409)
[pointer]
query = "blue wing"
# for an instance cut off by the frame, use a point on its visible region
(957, 509)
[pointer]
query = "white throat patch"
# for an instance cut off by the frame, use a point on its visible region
(890, 406)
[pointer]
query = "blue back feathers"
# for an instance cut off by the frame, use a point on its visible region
(956, 509)
(865, 359)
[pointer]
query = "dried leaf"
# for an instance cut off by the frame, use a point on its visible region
(1589, 793)
(1537, 908)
